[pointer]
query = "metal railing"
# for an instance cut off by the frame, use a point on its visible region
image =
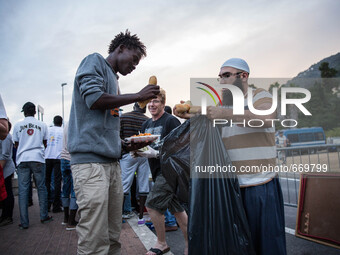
(308, 159)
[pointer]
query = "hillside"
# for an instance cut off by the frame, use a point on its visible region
(308, 77)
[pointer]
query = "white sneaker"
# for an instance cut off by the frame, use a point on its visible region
(126, 216)
(141, 222)
(71, 227)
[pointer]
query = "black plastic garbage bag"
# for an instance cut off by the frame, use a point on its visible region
(217, 220)
(175, 160)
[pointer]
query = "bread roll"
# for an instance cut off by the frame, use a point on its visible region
(152, 81)
(182, 108)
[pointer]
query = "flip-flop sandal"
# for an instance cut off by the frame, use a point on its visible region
(160, 252)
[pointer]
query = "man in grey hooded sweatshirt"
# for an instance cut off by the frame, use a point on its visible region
(95, 145)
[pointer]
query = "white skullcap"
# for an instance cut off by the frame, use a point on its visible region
(237, 63)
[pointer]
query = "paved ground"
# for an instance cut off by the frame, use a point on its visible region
(52, 238)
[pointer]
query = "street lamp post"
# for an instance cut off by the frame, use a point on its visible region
(62, 89)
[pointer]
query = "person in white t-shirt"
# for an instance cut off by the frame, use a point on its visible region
(281, 140)
(30, 138)
(68, 197)
(52, 157)
(7, 164)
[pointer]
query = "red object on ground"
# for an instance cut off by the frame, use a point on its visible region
(3, 193)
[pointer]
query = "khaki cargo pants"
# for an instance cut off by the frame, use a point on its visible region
(99, 193)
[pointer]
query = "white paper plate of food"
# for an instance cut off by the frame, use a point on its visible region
(142, 138)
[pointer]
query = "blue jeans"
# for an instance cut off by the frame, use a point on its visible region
(68, 197)
(127, 203)
(25, 169)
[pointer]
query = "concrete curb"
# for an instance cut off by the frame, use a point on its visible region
(145, 235)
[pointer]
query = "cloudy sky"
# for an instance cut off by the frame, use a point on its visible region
(43, 42)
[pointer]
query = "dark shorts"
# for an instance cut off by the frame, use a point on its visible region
(161, 197)
(264, 208)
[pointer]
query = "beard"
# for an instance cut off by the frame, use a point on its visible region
(227, 97)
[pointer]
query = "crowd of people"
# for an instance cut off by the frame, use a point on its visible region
(92, 167)
(38, 152)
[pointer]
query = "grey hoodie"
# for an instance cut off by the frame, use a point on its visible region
(93, 135)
